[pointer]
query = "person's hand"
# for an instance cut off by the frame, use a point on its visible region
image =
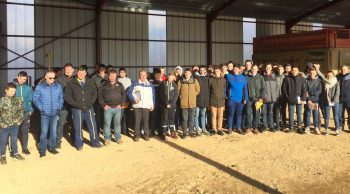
(151, 109)
(317, 66)
(106, 107)
(136, 100)
(244, 102)
(119, 106)
(168, 106)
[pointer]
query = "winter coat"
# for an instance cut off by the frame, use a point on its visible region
(169, 94)
(294, 87)
(271, 92)
(144, 92)
(48, 98)
(217, 91)
(256, 87)
(25, 92)
(111, 94)
(188, 91)
(345, 88)
(81, 96)
(11, 112)
(237, 87)
(331, 91)
(314, 89)
(203, 96)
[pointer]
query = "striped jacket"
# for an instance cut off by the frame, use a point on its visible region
(142, 91)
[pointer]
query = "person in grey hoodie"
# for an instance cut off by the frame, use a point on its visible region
(280, 106)
(331, 93)
(270, 98)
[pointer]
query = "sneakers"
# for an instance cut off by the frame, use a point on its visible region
(183, 136)
(43, 154)
(220, 132)
(162, 136)
(78, 149)
(255, 131)
(337, 132)
(25, 151)
(229, 131)
(239, 131)
(17, 157)
(146, 138)
(3, 161)
(213, 132)
(307, 130)
(119, 141)
(317, 131)
(58, 146)
(300, 130)
(54, 152)
(326, 132)
(136, 139)
(107, 142)
(248, 131)
(205, 132)
(192, 134)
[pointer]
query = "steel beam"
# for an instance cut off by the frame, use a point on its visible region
(292, 22)
(98, 11)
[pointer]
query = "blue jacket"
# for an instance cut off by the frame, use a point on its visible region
(237, 87)
(25, 92)
(48, 99)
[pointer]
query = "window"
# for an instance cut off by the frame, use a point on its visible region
(249, 32)
(316, 26)
(20, 22)
(157, 31)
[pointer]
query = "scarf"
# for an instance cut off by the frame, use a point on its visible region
(328, 84)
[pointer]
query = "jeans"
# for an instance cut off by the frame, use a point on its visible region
(79, 116)
(46, 122)
(234, 114)
(280, 115)
(327, 115)
(4, 134)
(114, 114)
(62, 118)
(291, 108)
(187, 119)
(217, 115)
(308, 115)
(200, 117)
(342, 108)
(268, 115)
(253, 115)
(141, 116)
(24, 128)
(124, 123)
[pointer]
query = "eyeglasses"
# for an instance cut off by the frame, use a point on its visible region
(50, 78)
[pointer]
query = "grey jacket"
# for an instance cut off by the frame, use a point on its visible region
(271, 92)
(279, 79)
(331, 91)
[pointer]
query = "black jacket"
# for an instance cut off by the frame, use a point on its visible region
(203, 96)
(293, 87)
(63, 80)
(217, 88)
(169, 94)
(344, 82)
(81, 97)
(111, 95)
(157, 94)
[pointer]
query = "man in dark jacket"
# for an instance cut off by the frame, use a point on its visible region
(256, 93)
(200, 114)
(80, 94)
(294, 91)
(314, 91)
(111, 96)
(48, 98)
(25, 92)
(63, 114)
(155, 115)
(280, 106)
(168, 98)
(344, 81)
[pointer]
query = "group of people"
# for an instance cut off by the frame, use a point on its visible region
(199, 100)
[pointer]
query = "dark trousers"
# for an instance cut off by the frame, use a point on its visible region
(155, 118)
(99, 117)
(187, 119)
(141, 116)
(168, 119)
(24, 130)
(280, 116)
(79, 117)
(253, 115)
(125, 118)
(65, 116)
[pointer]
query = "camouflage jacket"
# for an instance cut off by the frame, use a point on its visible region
(11, 112)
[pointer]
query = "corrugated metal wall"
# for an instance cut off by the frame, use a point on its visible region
(186, 38)
(123, 40)
(3, 52)
(77, 47)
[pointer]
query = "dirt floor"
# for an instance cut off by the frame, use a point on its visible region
(264, 163)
